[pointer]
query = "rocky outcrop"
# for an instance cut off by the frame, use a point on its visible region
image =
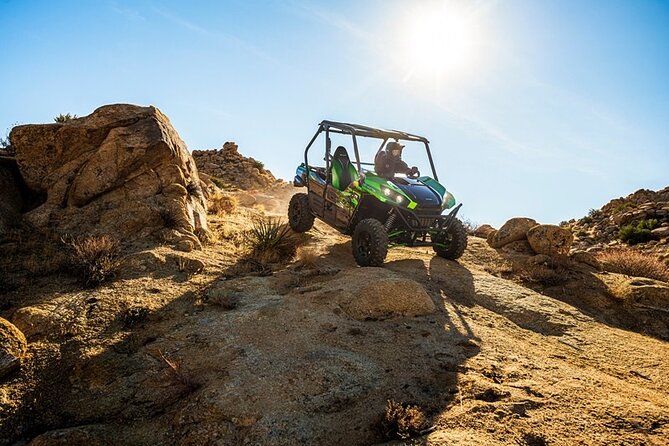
(483, 231)
(229, 169)
(12, 347)
(550, 240)
(601, 228)
(514, 229)
(123, 171)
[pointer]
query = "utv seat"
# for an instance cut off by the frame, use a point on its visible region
(343, 171)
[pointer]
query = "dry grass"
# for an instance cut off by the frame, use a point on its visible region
(207, 238)
(402, 421)
(94, 259)
(222, 204)
(271, 241)
(634, 263)
(307, 257)
(554, 272)
(176, 372)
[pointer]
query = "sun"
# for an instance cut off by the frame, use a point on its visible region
(438, 40)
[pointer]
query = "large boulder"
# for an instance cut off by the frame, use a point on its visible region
(12, 347)
(122, 171)
(484, 231)
(389, 297)
(550, 239)
(514, 229)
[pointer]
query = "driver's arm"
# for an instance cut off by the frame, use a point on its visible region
(401, 167)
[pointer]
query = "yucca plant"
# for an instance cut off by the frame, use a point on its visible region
(270, 240)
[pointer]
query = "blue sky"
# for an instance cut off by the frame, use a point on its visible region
(556, 107)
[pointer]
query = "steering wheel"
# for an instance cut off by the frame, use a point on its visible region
(413, 173)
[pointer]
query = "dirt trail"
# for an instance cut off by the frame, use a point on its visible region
(497, 363)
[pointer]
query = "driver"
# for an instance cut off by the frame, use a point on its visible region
(388, 162)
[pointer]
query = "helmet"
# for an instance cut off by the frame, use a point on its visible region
(394, 148)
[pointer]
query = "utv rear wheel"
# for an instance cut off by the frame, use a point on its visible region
(300, 217)
(452, 244)
(370, 243)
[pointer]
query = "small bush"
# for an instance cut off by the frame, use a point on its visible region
(307, 257)
(62, 118)
(593, 213)
(270, 240)
(554, 272)
(634, 263)
(639, 233)
(4, 143)
(258, 164)
(94, 259)
(402, 421)
(469, 225)
(222, 204)
(622, 206)
(586, 220)
(219, 182)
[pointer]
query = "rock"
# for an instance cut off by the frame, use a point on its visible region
(13, 347)
(514, 229)
(661, 232)
(587, 258)
(550, 239)
(648, 292)
(228, 167)
(539, 259)
(87, 435)
(390, 297)
(121, 171)
(484, 231)
(518, 247)
(33, 321)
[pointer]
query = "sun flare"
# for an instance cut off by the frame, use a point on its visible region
(439, 41)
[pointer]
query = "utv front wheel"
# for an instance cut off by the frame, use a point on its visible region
(300, 217)
(452, 244)
(370, 243)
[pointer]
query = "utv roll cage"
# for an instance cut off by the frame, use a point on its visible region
(357, 130)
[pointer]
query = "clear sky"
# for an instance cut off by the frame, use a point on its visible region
(543, 108)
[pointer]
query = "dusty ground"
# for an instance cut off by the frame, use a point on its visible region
(173, 353)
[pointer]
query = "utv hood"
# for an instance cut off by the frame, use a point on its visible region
(418, 191)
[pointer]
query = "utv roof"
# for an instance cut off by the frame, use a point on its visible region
(371, 132)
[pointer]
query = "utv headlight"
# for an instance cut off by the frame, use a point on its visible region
(397, 198)
(448, 201)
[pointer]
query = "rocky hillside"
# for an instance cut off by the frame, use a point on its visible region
(523, 341)
(640, 220)
(228, 169)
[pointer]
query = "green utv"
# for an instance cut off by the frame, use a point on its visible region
(377, 207)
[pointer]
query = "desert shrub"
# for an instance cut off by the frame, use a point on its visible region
(622, 206)
(593, 212)
(219, 182)
(307, 257)
(222, 204)
(207, 237)
(94, 259)
(586, 220)
(402, 421)
(639, 233)
(64, 118)
(258, 164)
(4, 143)
(553, 272)
(634, 263)
(469, 225)
(270, 240)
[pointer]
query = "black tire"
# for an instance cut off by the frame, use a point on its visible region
(453, 243)
(300, 217)
(370, 243)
